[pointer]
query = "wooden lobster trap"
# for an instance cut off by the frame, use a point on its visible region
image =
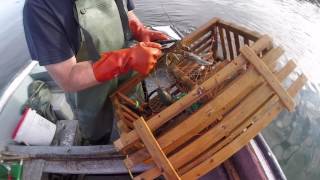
(210, 109)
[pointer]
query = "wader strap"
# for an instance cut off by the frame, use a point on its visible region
(124, 21)
(91, 48)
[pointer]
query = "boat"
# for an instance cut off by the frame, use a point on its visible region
(67, 157)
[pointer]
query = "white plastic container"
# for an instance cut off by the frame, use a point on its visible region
(34, 129)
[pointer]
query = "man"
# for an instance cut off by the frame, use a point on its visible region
(84, 45)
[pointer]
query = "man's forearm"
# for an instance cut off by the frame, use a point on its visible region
(72, 76)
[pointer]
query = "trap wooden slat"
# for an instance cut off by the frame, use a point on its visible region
(267, 74)
(154, 149)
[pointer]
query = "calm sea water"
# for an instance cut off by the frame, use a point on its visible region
(295, 137)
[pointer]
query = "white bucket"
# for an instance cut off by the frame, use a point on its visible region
(33, 129)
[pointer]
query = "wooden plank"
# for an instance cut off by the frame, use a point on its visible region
(154, 149)
(237, 42)
(179, 75)
(193, 96)
(263, 117)
(188, 40)
(48, 151)
(243, 110)
(128, 120)
(269, 77)
(127, 110)
(123, 127)
(230, 44)
(205, 39)
(100, 166)
(246, 41)
(223, 44)
(215, 42)
(272, 55)
(252, 35)
(203, 47)
(130, 102)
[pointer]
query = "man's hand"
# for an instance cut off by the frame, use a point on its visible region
(142, 33)
(141, 58)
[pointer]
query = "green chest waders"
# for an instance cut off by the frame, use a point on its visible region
(102, 30)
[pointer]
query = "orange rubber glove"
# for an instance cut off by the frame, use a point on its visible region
(144, 34)
(140, 58)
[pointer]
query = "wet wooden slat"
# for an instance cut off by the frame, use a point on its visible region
(199, 32)
(237, 42)
(246, 41)
(154, 149)
(269, 77)
(252, 35)
(230, 44)
(223, 44)
(272, 55)
(201, 42)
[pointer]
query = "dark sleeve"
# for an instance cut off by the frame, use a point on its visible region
(130, 5)
(46, 39)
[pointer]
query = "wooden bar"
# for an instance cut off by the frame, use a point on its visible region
(203, 47)
(187, 41)
(246, 41)
(119, 116)
(154, 149)
(129, 101)
(127, 110)
(228, 71)
(182, 77)
(205, 39)
(264, 117)
(273, 54)
(123, 128)
(230, 46)
(214, 47)
(223, 44)
(129, 119)
(237, 42)
(269, 77)
(252, 35)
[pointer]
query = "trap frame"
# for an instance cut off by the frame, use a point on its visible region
(215, 109)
